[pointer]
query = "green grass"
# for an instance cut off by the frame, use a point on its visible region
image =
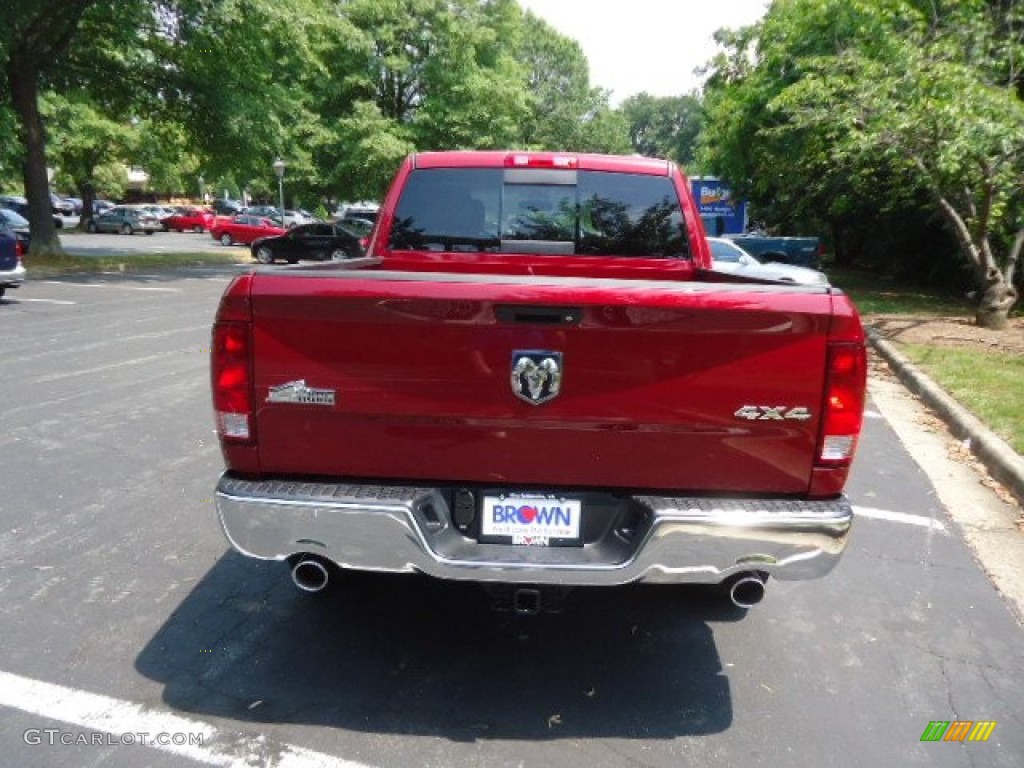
(876, 294)
(51, 265)
(988, 383)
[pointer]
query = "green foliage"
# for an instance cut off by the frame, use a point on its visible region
(86, 147)
(665, 126)
(341, 90)
(834, 113)
(565, 112)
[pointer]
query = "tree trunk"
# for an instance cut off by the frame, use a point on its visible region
(88, 192)
(24, 82)
(995, 302)
(847, 244)
(44, 37)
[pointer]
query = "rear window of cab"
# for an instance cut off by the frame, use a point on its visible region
(545, 211)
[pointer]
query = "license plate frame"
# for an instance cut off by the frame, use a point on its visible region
(531, 519)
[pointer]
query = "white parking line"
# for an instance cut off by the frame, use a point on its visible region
(77, 285)
(19, 300)
(130, 723)
(901, 517)
(114, 285)
(99, 368)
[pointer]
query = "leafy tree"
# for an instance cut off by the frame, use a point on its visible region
(665, 126)
(241, 82)
(565, 113)
(86, 146)
(367, 151)
(472, 86)
(415, 74)
(83, 46)
(33, 37)
(849, 104)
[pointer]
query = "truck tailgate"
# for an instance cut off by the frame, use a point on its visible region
(661, 385)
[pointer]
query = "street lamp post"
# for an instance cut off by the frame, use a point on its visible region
(202, 190)
(279, 167)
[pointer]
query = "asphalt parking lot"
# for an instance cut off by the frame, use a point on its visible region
(124, 611)
(85, 244)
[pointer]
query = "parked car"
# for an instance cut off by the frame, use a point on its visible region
(159, 211)
(309, 241)
(125, 219)
(61, 205)
(295, 218)
(361, 210)
(476, 404)
(12, 271)
(729, 257)
(189, 219)
(14, 219)
(19, 205)
(99, 206)
(798, 251)
(243, 229)
(266, 211)
(361, 227)
(225, 207)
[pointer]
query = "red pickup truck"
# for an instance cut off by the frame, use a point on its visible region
(534, 380)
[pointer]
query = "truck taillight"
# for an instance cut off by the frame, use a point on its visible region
(231, 363)
(232, 400)
(844, 403)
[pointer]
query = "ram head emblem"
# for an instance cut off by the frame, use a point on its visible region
(536, 375)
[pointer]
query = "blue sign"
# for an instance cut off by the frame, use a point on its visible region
(721, 212)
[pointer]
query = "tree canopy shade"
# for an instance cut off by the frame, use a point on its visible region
(565, 112)
(667, 127)
(86, 145)
(340, 90)
(844, 108)
(32, 37)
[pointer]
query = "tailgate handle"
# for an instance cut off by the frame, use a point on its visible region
(539, 315)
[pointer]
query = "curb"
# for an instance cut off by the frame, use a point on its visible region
(1002, 462)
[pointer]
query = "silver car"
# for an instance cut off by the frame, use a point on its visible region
(126, 220)
(729, 257)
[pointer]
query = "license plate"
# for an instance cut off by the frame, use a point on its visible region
(531, 520)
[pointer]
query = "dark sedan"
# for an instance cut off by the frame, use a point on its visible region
(20, 206)
(309, 241)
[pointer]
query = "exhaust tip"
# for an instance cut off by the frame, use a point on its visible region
(310, 575)
(747, 591)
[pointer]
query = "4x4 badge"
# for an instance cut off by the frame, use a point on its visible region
(536, 375)
(773, 413)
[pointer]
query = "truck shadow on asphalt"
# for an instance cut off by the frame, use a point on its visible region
(411, 655)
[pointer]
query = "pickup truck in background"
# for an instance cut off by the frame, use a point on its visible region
(534, 381)
(797, 251)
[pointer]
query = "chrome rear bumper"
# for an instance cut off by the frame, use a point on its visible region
(409, 529)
